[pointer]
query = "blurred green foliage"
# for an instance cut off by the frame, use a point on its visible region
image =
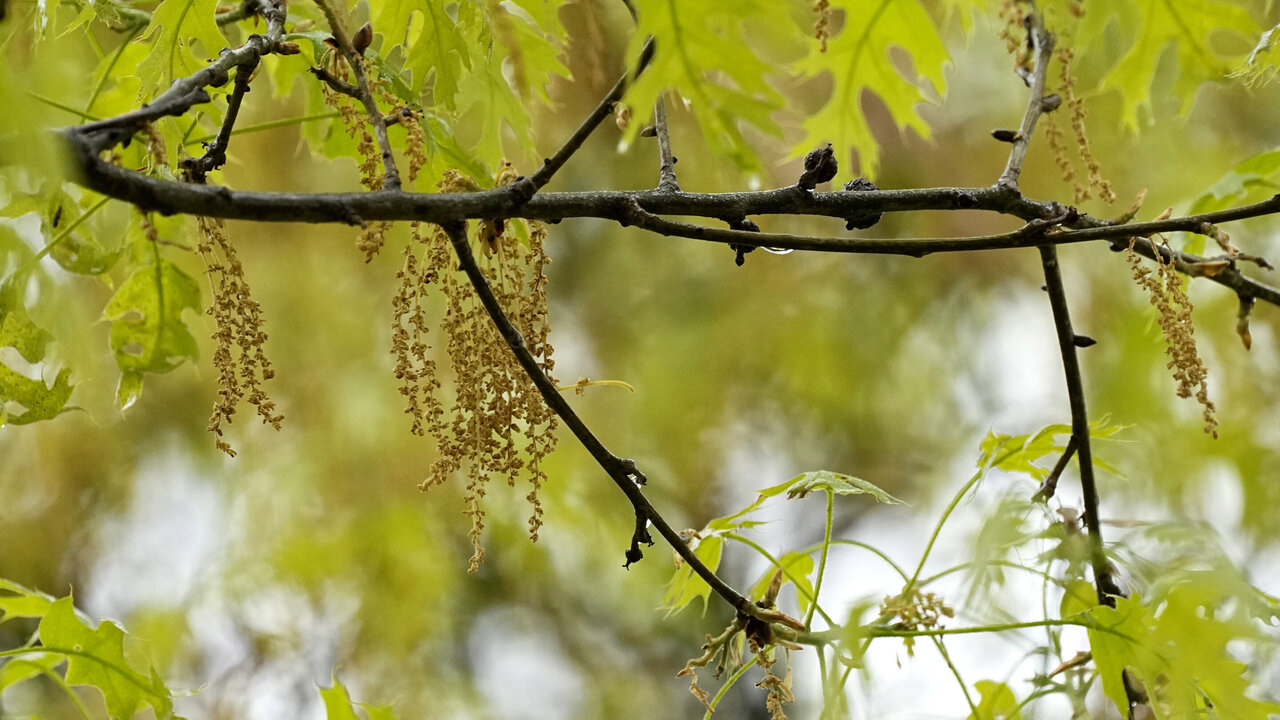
(256, 579)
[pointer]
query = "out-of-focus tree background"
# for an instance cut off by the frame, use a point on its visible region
(313, 552)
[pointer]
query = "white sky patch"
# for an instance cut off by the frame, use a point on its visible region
(520, 669)
(158, 550)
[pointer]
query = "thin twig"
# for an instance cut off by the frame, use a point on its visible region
(215, 154)
(622, 471)
(1050, 484)
(335, 83)
(667, 161)
(1042, 51)
(94, 137)
(1103, 579)
(364, 93)
(526, 187)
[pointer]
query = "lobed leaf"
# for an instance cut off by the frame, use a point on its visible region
(175, 26)
(96, 657)
(686, 585)
(859, 60)
(1150, 28)
(702, 53)
(837, 484)
(147, 331)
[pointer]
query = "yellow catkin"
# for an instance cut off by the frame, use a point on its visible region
(1078, 113)
(238, 335)
(822, 26)
(498, 426)
(1167, 295)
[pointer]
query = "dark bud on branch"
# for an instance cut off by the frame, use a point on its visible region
(287, 48)
(1050, 102)
(819, 166)
(1083, 341)
(1006, 135)
(746, 226)
(861, 222)
(363, 37)
(634, 555)
(648, 131)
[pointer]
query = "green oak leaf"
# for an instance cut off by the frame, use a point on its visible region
(837, 484)
(702, 52)
(1149, 28)
(859, 60)
(175, 26)
(997, 702)
(96, 656)
(685, 585)
(147, 331)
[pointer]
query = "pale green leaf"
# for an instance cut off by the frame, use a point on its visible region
(1149, 28)
(96, 657)
(18, 601)
(837, 484)
(337, 702)
(859, 61)
(1176, 647)
(796, 568)
(701, 53)
(685, 585)
(176, 25)
(147, 331)
(997, 702)
(40, 401)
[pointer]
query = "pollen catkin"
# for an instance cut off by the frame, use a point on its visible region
(498, 425)
(239, 338)
(822, 26)
(1165, 289)
(1078, 114)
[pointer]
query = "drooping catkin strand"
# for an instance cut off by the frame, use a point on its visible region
(239, 337)
(1167, 295)
(497, 426)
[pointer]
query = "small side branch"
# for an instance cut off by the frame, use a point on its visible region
(666, 160)
(1041, 42)
(525, 187)
(1103, 579)
(94, 137)
(622, 471)
(215, 154)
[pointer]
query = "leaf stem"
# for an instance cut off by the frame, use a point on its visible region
(822, 561)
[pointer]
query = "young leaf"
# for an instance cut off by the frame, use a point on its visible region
(686, 586)
(859, 60)
(95, 656)
(337, 702)
(796, 568)
(147, 332)
(17, 601)
(175, 24)
(1176, 648)
(998, 702)
(702, 53)
(837, 484)
(1188, 25)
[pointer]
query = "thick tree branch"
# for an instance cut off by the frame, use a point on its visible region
(622, 471)
(169, 197)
